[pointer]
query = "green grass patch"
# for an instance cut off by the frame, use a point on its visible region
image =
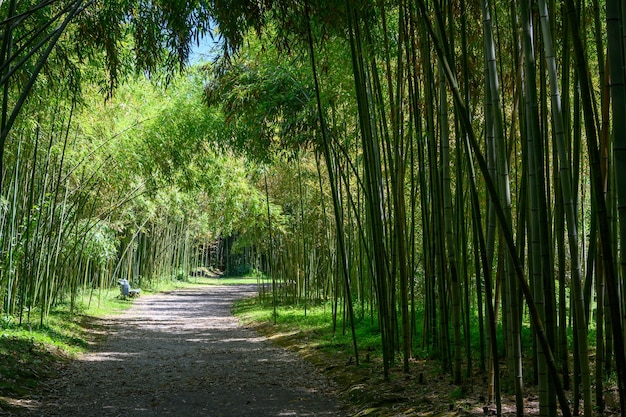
(97, 303)
(31, 352)
(191, 282)
(310, 328)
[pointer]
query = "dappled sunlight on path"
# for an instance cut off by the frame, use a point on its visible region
(184, 354)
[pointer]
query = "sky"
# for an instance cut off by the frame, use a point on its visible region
(205, 51)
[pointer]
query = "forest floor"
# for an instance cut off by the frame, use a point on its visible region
(425, 391)
(183, 353)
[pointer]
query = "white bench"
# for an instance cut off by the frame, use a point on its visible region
(126, 291)
(134, 292)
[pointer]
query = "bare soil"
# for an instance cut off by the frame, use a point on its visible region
(184, 354)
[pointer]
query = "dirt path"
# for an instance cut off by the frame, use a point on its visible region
(184, 354)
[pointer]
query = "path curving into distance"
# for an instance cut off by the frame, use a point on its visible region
(184, 354)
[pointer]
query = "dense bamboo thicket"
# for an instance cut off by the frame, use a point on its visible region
(131, 188)
(471, 151)
(450, 170)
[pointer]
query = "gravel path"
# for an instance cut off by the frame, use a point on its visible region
(184, 354)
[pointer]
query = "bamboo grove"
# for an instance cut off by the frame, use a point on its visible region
(449, 170)
(472, 154)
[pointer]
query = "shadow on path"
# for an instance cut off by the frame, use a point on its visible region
(184, 354)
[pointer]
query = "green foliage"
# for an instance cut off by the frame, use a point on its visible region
(266, 100)
(98, 241)
(143, 185)
(128, 187)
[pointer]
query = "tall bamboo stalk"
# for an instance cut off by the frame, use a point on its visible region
(338, 217)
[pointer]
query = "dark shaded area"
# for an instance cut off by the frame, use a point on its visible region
(22, 365)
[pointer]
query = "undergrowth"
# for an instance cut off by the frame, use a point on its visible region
(427, 389)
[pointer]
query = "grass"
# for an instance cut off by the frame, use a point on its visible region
(30, 353)
(190, 282)
(313, 325)
(425, 390)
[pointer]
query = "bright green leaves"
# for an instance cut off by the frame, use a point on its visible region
(97, 241)
(267, 102)
(173, 145)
